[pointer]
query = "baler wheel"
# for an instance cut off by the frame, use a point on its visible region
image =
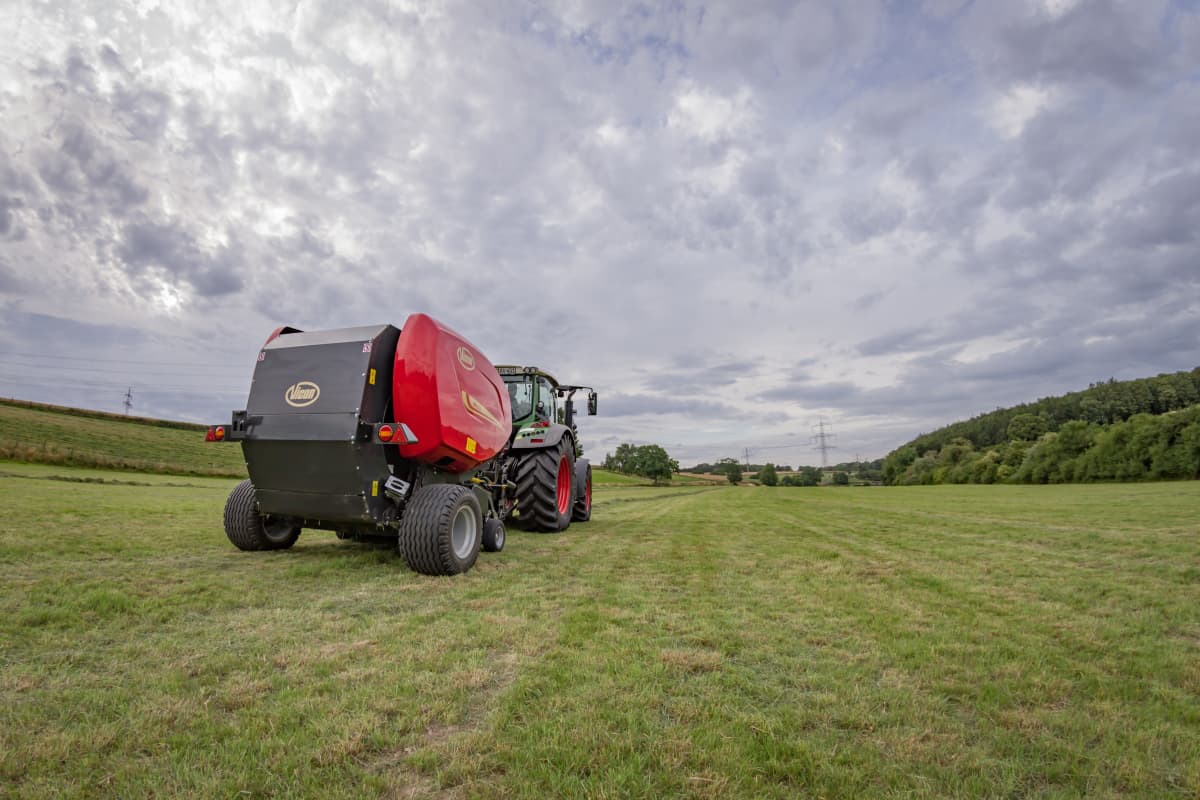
(247, 528)
(493, 535)
(546, 488)
(441, 529)
(583, 504)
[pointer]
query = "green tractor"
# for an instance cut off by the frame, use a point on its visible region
(553, 480)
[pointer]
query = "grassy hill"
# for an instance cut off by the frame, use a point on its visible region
(49, 434)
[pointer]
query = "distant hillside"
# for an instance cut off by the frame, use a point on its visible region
(57, 435)
(1118, 430)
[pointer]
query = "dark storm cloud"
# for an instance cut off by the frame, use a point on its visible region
(837, 394)
(9, 228)
(81, 164)
(868, 299)
(1165, 214)
(777, 42)
(867, 218)
(10, 282)
(28, 330)
(695, 378)
(626, 405)
(168, 247)
(1119, 44)
(143, 112)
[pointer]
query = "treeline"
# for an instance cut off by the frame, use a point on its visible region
(865, 468)
(1146, 429)
(1099, 404)
(769, 475)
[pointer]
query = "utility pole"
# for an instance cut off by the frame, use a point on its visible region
(128, 400)
(821, 439)
(746, 456)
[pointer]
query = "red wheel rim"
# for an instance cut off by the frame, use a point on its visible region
(587, 492)
(564, 485)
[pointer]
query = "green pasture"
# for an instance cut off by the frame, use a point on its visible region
(53, 435)
(691, 641)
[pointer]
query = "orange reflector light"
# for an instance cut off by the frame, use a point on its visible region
(386, 432)
(219, 433)
(211, 436)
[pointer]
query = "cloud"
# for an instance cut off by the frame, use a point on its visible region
(731, 221)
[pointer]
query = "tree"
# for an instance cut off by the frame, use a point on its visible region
(841, 479)
(622, 460)
(732, 470)
(653, 462)
(1026, 427)
(767, 476)
(809, 476)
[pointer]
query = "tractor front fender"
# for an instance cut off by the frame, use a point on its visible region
(581, 476)
(530, 438)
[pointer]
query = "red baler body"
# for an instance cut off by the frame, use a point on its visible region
(449, 395)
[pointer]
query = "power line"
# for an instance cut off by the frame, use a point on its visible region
(43, 356)
(821, 439)
(152, 388)
(40, 367)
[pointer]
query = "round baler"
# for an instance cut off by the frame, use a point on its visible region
(375, 433)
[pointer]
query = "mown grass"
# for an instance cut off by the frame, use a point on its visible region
(52, 435)
(688, 642)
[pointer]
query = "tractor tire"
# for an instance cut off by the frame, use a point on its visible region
(247, 528)
(493, 535)
(546, 488)
(582, 511)
(441, 529)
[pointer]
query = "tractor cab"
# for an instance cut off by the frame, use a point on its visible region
(536, 396)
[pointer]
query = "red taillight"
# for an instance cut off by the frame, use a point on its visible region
(541, 423)
(219, 433)
(386, 432)
(211, 436)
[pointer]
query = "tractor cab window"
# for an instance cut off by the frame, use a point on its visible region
(547, 405)
(520, 396)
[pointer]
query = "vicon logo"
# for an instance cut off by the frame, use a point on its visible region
(301, 394)
(466, 358)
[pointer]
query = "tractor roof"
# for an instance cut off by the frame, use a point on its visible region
(510, 370)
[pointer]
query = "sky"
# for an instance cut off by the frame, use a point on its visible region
(737, 221)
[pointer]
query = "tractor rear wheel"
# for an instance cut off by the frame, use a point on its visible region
(583, 503)
(248, 529)
(546, 487)
(441, 529)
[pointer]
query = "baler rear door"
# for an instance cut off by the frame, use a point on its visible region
(303, 447)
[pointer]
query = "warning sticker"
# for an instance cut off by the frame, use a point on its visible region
(471, 445)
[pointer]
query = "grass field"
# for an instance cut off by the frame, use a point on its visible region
(722, 642)
(49, 434)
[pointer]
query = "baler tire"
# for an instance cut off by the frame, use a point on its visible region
(493, 535)
(440, 531)
(539, 491)
(247, 529)
(582, 511)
